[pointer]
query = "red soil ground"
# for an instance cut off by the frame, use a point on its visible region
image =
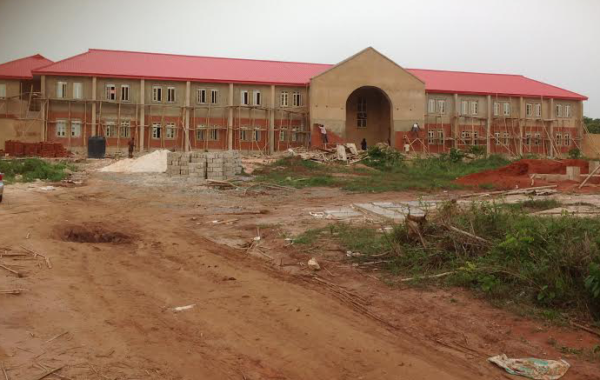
(518, 174)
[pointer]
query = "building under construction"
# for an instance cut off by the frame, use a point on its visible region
(191, 102)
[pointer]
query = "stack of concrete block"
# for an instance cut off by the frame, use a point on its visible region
(197, 165)
(204, 165)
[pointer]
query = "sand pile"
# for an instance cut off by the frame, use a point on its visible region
(518, 173)
(155, 162)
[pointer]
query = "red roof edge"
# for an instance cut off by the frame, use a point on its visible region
(39, 70)
(574, 97)
(206, 56)
(173, 79)
(36, 56)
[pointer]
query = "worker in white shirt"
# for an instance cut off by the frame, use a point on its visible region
(323, 135)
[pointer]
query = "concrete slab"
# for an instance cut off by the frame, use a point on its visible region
(343, 213)
(396, 212)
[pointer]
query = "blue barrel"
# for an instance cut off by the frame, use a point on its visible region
(96, 147)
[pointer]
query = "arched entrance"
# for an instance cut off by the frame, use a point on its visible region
(368, 116)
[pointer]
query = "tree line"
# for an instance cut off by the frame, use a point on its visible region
(593, 125)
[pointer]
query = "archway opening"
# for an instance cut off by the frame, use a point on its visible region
(368, 116)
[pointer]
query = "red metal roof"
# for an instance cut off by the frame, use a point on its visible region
(490, 84)
(111, 63)
(126, 64)
(21, 68)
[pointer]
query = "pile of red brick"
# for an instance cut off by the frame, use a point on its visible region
(41, 149)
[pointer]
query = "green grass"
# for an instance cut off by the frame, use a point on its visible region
(30, 169)
(533, 205)
(308, 237)
(419, 174)
(551, 265)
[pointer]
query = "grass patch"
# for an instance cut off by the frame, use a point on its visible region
(533, 205)
(549, 264)
(393, 174)
(31, 169)
(309, 237)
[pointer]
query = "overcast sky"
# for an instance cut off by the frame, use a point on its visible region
(548, 40)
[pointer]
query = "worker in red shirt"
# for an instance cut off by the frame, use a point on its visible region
(131, 145)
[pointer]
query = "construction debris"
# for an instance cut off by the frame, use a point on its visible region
(342, 152)
(11, 291)
(183, 308)
(314, 264)
(531, 367)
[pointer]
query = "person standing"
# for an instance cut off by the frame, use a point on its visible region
(363, 144)
(324, 138)
(131, 145)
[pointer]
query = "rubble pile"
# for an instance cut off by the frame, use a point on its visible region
(342, 152)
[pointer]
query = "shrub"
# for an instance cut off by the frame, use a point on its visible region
(574, 153)
(383, 157)
(31, 169)
(553, 263)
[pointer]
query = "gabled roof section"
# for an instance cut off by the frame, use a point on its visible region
(370, 48)
(22, 68)
(490, 84)
(156, 66)
(127, 64)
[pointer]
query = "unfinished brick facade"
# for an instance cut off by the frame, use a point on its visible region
(201, 103)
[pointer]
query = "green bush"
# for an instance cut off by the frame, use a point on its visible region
(31, 169)
(552, 263)
(574, 153)
(383, 158)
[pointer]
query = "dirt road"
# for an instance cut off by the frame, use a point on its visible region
(104, 310)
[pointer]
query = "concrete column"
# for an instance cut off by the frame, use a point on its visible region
(521, 118)
(579, 124)
(551, 128)
(94, 106)
(272, 122)
(230, 117)
(142, 114)
(186, 141)
(43, 109)
(455, 122)
(488, 127)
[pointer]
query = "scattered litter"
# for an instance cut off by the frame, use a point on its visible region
(47, 188)
(313, 264)
(155, 162)
(317, 214)
(56, 336)
(257, 238)
(353, 254)
(183, 308)
(11, 291)
(224, 221)
(531, 367)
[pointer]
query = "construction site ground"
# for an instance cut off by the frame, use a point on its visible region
(122, 251)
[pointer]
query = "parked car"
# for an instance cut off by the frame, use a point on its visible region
(1, 186)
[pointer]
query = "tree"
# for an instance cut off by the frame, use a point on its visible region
(593, 125)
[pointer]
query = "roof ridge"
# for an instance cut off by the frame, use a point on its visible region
(62, 60)
(24, 58)
(205, 56)
(468, 72)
